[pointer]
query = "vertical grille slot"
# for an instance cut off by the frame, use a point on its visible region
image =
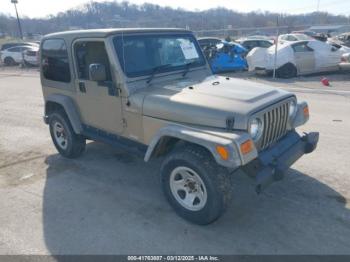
(275, 125)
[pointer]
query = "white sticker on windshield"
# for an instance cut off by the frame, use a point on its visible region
(189, 50)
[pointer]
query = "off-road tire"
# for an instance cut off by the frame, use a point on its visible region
(9, 61)
(287, 71)
(215, 178)
(75, 143)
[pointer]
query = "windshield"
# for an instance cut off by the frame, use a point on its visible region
(143, 53)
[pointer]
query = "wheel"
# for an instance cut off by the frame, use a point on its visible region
(67, 143)
(287, 71)
(195, 185)
(9, 61)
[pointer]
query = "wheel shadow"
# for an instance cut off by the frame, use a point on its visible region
(110, 202)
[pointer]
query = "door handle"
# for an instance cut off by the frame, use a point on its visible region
(82, 87)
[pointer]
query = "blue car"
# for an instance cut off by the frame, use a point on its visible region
(226, 56)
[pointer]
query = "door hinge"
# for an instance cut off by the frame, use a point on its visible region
(124, 122)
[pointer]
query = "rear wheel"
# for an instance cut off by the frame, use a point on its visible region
(9, 61)
(195, 185)
(67, 143)
(287, 71)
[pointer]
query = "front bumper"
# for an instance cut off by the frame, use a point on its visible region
(272, 164)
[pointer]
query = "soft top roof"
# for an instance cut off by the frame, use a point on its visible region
(110, 31)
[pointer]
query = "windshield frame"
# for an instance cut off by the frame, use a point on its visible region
(170, 70)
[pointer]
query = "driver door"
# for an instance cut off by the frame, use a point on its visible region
(98, 101)
(304, 58)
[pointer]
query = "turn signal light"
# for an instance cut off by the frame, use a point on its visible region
(223, 152)
(306, 111)
(247, 147)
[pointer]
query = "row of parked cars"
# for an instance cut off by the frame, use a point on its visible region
(297, 54)
(19, 53)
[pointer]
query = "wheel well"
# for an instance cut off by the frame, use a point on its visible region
(51, 107)
(280, 72)
(287, 64)
(168, 143)
(9, 58)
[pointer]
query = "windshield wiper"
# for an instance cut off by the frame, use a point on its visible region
(187, 69)
(155, 70)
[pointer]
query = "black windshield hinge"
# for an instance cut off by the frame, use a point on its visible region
(125, 124)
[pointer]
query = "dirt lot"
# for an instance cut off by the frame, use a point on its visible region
(110, 202)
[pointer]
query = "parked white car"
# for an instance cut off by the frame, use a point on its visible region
(31, 56)
(296, 58)
(293, 38)
(13, 55)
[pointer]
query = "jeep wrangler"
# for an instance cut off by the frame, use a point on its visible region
(151, 91)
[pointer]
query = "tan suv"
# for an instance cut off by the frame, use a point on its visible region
(151, 91)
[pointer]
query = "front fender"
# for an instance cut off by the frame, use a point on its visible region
(208, 139)
(301, 116)
(70, 108)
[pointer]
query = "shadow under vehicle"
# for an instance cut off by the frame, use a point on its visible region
(102, 204)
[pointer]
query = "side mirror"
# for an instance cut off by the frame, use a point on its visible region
(97, 72)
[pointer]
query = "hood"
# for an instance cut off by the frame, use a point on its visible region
(210, 102)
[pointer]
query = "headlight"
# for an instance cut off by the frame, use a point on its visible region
(256, 128)
(292, 108)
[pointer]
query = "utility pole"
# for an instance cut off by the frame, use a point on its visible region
(318, 12)
(276, 46)
(14, 2)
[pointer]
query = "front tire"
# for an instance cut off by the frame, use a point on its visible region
(67, 143)
(9, 61)
(195, 185)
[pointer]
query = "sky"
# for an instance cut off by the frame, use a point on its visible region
(42, 8)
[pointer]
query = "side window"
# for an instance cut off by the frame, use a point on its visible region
(54, 60)
(265, 44)
(23, 48)
(251, 44)
(14, 49)
(291, 38)
(90, 52)
(302, 47)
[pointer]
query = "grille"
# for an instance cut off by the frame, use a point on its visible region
(275, 125)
